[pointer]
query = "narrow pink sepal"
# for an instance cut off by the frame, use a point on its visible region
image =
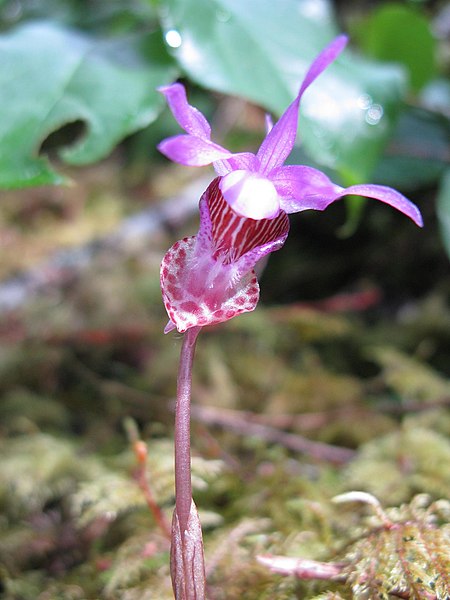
(323, 60)
(278, 143)
(388, 196)
(268, 121)
(280, 140)
(187, 116)
(301, 188)
(192, 151)
(169, 327)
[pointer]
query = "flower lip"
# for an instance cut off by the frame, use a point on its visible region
(210, 278)
(250, 194)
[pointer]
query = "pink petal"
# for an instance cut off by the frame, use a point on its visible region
(169, 327)
(301, 188)
(323, 60)
(236, 235)
(388, 196)
(192, 151)
(268, 122)
(187, 116)
(188, 302)
(279, 142)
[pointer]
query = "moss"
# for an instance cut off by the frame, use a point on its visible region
(78, 361)
(402, 463)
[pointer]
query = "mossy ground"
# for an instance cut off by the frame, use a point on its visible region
(367, 371)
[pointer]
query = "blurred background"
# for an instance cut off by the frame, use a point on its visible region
(349, 346)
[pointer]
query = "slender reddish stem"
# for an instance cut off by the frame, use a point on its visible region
(140, 450)
(183, 486)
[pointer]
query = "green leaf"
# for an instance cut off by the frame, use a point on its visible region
(52, 76)
(100, 16)
(443, 210)
(435, 95)
(418, 153)
(400, 33)
(261, 50)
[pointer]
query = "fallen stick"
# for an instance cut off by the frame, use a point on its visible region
(239, 422)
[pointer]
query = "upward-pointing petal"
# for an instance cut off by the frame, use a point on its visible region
(187, 116)
(280, 140)
(323, 60)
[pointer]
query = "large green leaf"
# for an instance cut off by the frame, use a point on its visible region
(418, 153)
(261, 49)
(50, 76)
(401, 33)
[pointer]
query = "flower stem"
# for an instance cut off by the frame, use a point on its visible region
(183, 486)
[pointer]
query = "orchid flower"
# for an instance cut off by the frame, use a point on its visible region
(209, 278)
(259, 186)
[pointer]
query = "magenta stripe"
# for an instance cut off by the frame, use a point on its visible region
(236, 235)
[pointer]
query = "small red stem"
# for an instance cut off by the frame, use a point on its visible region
(183, 486)
(140, 450)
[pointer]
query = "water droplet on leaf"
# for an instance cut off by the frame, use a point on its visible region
(173, 38)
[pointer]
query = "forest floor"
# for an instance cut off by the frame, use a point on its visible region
(337, 383)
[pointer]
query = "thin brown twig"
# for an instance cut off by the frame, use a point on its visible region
(238, 422)
(360, 300)
(307, 421)
(303, 568)
(412, 406)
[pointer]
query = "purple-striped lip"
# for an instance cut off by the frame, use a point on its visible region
(234, 235)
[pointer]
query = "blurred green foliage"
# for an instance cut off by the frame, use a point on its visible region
(400, 32)
(97, 65)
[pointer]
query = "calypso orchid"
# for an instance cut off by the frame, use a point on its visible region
(209, 278)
